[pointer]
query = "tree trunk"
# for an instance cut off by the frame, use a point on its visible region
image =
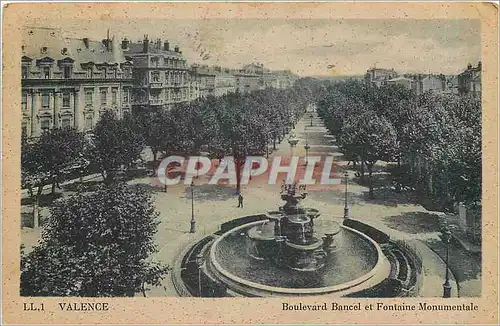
(53, 186)
(36, 203)
(274, 143)
(238, 174)
(399, 175)
(370, 180)
(155, 154)
(362, 177)
(110, 177)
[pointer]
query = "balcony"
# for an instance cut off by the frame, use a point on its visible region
(155, 85)
(155, 101)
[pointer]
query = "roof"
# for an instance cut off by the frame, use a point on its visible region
(136, 48)
(36, 38)
(398, 79)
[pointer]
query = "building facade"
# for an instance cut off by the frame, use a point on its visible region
(69, 82)
(469, 81)
(379, 76)
(281, 79)
(403, 81)
(161, 76)
(225, 82)
(204, 78)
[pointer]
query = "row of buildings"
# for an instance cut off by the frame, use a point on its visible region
(70, 82)
(469, 81)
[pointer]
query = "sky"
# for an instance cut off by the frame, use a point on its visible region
(307, 47)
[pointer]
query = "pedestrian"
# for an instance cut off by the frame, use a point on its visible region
(240, 200)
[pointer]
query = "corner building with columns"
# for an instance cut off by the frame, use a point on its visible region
(69, 82)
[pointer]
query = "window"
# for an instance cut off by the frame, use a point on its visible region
(24, 129)
(114, 95)
(45, 124)
(66, 122)
(65, 99)
(24, 101)
(105, 72)
(89, 94)
(115, 72)
(67, 72)
(156, 76)
(45, 101)
(126, 72)
(125, 95)
(46, 72)
(24, 72)
(89, 73)
(104, 95)
(88, 123)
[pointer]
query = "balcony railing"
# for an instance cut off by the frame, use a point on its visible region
(156, 85)
(155, 101)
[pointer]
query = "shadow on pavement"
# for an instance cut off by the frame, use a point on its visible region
(44, 201)
(387, 197)
(208, 192)
(413, 222)
(86, 186)
(465, 266)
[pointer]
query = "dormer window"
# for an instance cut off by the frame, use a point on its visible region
(64, 51)
(43, 50)
(46, 72)
(67, 72)
(89, 73)
(52, 34)
(30, 33)
(24, 72)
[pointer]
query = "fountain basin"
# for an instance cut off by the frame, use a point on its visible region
(358, 265)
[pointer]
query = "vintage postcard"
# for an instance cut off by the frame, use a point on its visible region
(250, 163)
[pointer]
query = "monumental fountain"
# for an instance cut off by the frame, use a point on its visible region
(287, 252)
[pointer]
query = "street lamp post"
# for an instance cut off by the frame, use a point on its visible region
(447, 284)
(307, 150)
(193, 222)
(199, 262)
(306, 147)
(346, 209)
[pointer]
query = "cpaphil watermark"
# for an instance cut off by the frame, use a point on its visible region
(317, 169)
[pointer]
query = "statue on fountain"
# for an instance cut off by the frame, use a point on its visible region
(288, 238)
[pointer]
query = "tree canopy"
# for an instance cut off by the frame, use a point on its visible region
(95, 244)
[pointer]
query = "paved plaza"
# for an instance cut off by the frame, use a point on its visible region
(392, 213)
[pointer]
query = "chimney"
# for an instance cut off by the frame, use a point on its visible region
(166, 46)
(145, 44)
(125, 42)
(106, 43)
(176, 49)
(86, 42)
